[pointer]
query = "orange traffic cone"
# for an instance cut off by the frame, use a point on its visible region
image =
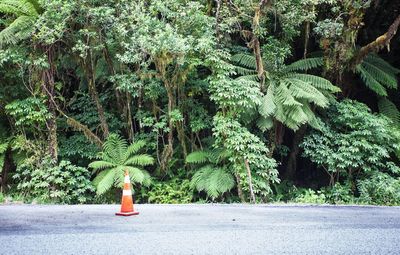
(127, 201)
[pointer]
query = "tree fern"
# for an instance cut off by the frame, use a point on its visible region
(26, 13)
(115, 159)
(211, 178)
(289, 94)
(214, 181)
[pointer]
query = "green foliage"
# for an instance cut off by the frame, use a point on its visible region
(182, 76)
(380, 189)
(175, 191)
(243, 145)
(354, 141)
(56, 183)
(3, 148)
(310, 196)
(77, 147)
(30, 112)
(2, 199)
(351, 140)
(339, 194)
(116, 158)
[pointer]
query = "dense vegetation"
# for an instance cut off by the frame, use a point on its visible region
(211, 100)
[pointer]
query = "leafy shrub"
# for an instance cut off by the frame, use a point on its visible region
(284, 191)
(175, 191)
(77, 148)
(310, 196)
(339, 194)
(1, 197)
(381, 189)
(352, 140)
(48, 182)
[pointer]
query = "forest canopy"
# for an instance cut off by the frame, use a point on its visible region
(210, 100)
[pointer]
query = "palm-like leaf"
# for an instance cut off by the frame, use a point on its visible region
(115, 159)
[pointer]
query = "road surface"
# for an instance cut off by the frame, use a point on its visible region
(199, 229)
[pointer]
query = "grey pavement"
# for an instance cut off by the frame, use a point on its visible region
(199, 229)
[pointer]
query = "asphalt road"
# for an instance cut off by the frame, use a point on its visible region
(199, 229)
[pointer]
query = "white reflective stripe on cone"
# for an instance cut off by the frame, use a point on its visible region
(127, 180)
(127, 192)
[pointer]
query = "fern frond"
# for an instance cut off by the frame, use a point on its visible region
(147, 178)
(140, 160)
(283, 95)
(198, 157)
(223, 179)
(214, 181)
(382, 64)
(264, 123)
(316, 81)
(370, 82)
(105, 180)
(18, 30)
(136, 175)
(300, 89)
(135, 147)
(388, 80)
(245, 60)
(244, 71)
(99, 177)
(305, 64)
(250, 77)
(389, 109)
(298, 116)
(267, 107)
(115, 149)
(18, 8)
(200, 178)
(99, 165)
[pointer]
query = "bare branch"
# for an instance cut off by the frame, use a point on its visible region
(378, 44)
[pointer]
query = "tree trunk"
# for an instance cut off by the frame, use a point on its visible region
(129, 117)
(48, 90)
(250, 180)
(291, 166)
(90, 74)
(8, 166)
(255, 43)
(239, 189)
(378, 44)
(168, 149)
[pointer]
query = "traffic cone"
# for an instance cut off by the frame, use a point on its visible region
(127, 201)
